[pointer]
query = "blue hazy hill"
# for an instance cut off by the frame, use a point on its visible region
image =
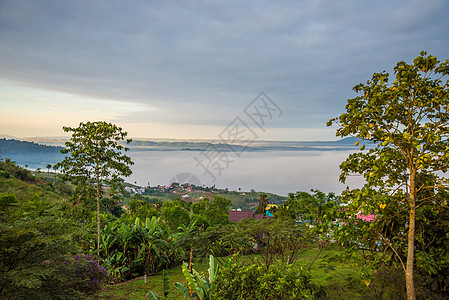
(38, 155)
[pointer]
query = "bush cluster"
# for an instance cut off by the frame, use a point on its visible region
(254, 281)
(86, 273)
(8, 168)
(388, 282)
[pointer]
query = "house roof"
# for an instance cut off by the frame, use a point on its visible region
(236, 216)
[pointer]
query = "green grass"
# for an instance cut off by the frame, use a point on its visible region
(25, 190)
(137, 288)
(326, 270)
(332, 269)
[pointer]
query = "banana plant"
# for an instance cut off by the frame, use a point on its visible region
(115, 265)
(198, 285)
(108, 239)
(155, 251)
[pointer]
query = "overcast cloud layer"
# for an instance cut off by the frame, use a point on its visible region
(199, 63)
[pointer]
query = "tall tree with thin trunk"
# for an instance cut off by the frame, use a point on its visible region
(408, 122)
(95, 160)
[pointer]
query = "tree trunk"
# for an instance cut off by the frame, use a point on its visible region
(98, 209)
(98, 222)
(410, 256)
(409, 281)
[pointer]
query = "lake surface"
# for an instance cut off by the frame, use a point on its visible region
(279, 172)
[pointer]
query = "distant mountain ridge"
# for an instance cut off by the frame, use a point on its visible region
(20, 147)
(257, 145)
(38, 155)
(53, 146)
(29, 153)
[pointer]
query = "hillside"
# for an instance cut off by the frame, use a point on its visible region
(20, 147)
(224, 146)
(29, 153)
(22, 183)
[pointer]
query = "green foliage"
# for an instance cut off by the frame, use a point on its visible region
(166, 288)
(35, 243)
(211, 212)
(142, 209)
(340, 277)
(112, 205)
(8, 168)
(221, 240)
(273, 239)
(24, 190)
(95, 159)
(7, 201)
(263, 202)
(176, 213)
(316, 210)
(84, 272)
(207, 212)
(254, 281)
(389, 283)
(408, 120)
(128, 250)
(4, 174)
(198, 285)
(384, 240)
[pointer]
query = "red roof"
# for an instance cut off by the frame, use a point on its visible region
(236, 216)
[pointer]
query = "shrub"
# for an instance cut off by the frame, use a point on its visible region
(388, 282)
(69, 277)
(254, 281)
(11, 168)
(87, 274)
(35, 242)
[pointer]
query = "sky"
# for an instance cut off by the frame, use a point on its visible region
(193, 69)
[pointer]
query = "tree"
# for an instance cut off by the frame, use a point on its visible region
(48, 168)
(138, 207)
(211, 212)
(408, 122)
(176, 213)
(263, 202)
(95, 160)
(55, 168)
(308, 207)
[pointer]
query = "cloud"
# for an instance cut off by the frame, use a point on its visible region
(201, 62)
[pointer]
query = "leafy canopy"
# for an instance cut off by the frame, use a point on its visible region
(408, 121)
(95, 156)
(95, 159)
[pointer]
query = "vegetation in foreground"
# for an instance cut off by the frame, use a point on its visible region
(48, 247)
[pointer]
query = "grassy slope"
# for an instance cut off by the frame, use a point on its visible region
(137, 288)
(25, 190)
(321, 272)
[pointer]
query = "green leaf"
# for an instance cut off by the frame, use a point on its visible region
(212, 270)
(166, 283)
(152, 296)
(188, 276)
(183, 289)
